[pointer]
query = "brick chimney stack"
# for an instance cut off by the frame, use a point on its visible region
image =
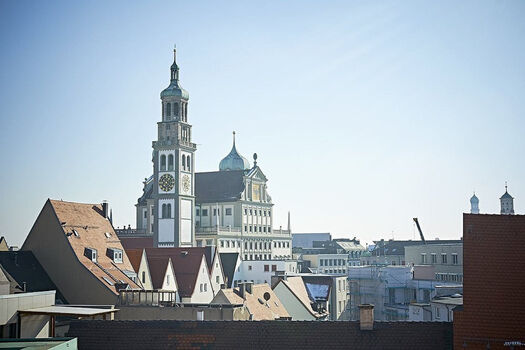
(366, 317)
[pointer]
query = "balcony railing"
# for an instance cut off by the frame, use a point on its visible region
(147, 297)
(130, 231)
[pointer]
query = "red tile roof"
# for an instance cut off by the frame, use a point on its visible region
(186, 263)
(304, 335)
(135, 256)
(157, 267)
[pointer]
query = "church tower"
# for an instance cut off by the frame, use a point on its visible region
(474, 204)
(507, 203)
(173, 169)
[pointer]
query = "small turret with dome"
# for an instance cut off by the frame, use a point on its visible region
(234, 161)
(474, 204)
(507, 203)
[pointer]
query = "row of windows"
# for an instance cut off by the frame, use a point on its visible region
(444, 258)
(250, 228)
(114, 254)
(186, 162)
(173, 108)
(338, 271)
(216, 211)
(260, 211)
(203, 287)
(450, 277)
(262, 257)
(332, 262)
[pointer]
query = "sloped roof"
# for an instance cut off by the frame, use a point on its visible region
(262, 303)
(93, 231)
(157, 267)
(219, 186)
(97, 334)
(135, 256)
(297, 286)
(229, 263)
(3, 244)
(136, 242)
(22, 266)
(209, 254)
(186, 263)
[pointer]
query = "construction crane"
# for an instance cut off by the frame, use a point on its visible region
(419, 229)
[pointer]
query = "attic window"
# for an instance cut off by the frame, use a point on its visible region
(107, 234)
(91, 254)
(75, 232)
(115, 254)
(108, 281)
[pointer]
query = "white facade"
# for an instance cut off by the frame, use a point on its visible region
(261, 271)
(332, 264)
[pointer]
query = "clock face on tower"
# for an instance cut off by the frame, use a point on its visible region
(166, 182)
(186, 183)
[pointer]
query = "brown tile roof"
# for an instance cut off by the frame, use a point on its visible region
(136, 242)
(135, 256)
(261, 308)
(157, 267)
(97, 334)
(186, 263)
(96, 232)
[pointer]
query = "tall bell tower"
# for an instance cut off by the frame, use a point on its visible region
(174, 169)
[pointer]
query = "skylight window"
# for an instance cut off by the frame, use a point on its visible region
(107, 234)
(75, 232)
(108, 281)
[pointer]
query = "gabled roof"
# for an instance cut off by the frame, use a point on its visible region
(23, 267)
(135, 256)
(219, 186)
(210, 253)
(186, 264)
(85, 226)
(297, 287)
(158, 267)
(262, 303)
(95, 334)
(229, 263)
(3, 244)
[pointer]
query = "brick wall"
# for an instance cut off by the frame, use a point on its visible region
(494, 282)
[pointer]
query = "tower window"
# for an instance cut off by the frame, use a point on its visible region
(163, 162)
(176, 109)
(188, 162)
(168, 109)
(166, 211)
(183, 162)
(170, 162)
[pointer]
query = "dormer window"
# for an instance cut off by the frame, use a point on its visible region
(115, 254)
(91, 254)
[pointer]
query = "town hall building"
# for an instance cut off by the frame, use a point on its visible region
(229, 208)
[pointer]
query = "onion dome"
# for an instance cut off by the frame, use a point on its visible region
(234, 161)
(474, 199)
(175, 89)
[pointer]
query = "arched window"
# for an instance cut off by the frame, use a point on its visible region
(168, 109)
(164, 211)
(186, 112)
(170, 162)
(168, 211)
(183, 162)
(163, 162)
(176, 109)
(188, 162)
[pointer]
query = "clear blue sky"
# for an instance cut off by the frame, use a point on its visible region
(364, 114)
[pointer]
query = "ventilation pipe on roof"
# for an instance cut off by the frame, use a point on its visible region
(366, 317)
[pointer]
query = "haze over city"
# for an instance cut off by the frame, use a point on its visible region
(363, 114)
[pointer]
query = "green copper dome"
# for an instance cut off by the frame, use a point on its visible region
(174, 89)
(234, 161)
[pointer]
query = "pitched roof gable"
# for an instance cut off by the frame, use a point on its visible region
(186, 265)
(297, 287)
(84, 226)
(158, 267)
(229, 264)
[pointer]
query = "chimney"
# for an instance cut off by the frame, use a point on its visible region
(105, 209)
(366, 317)
(245, 287)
